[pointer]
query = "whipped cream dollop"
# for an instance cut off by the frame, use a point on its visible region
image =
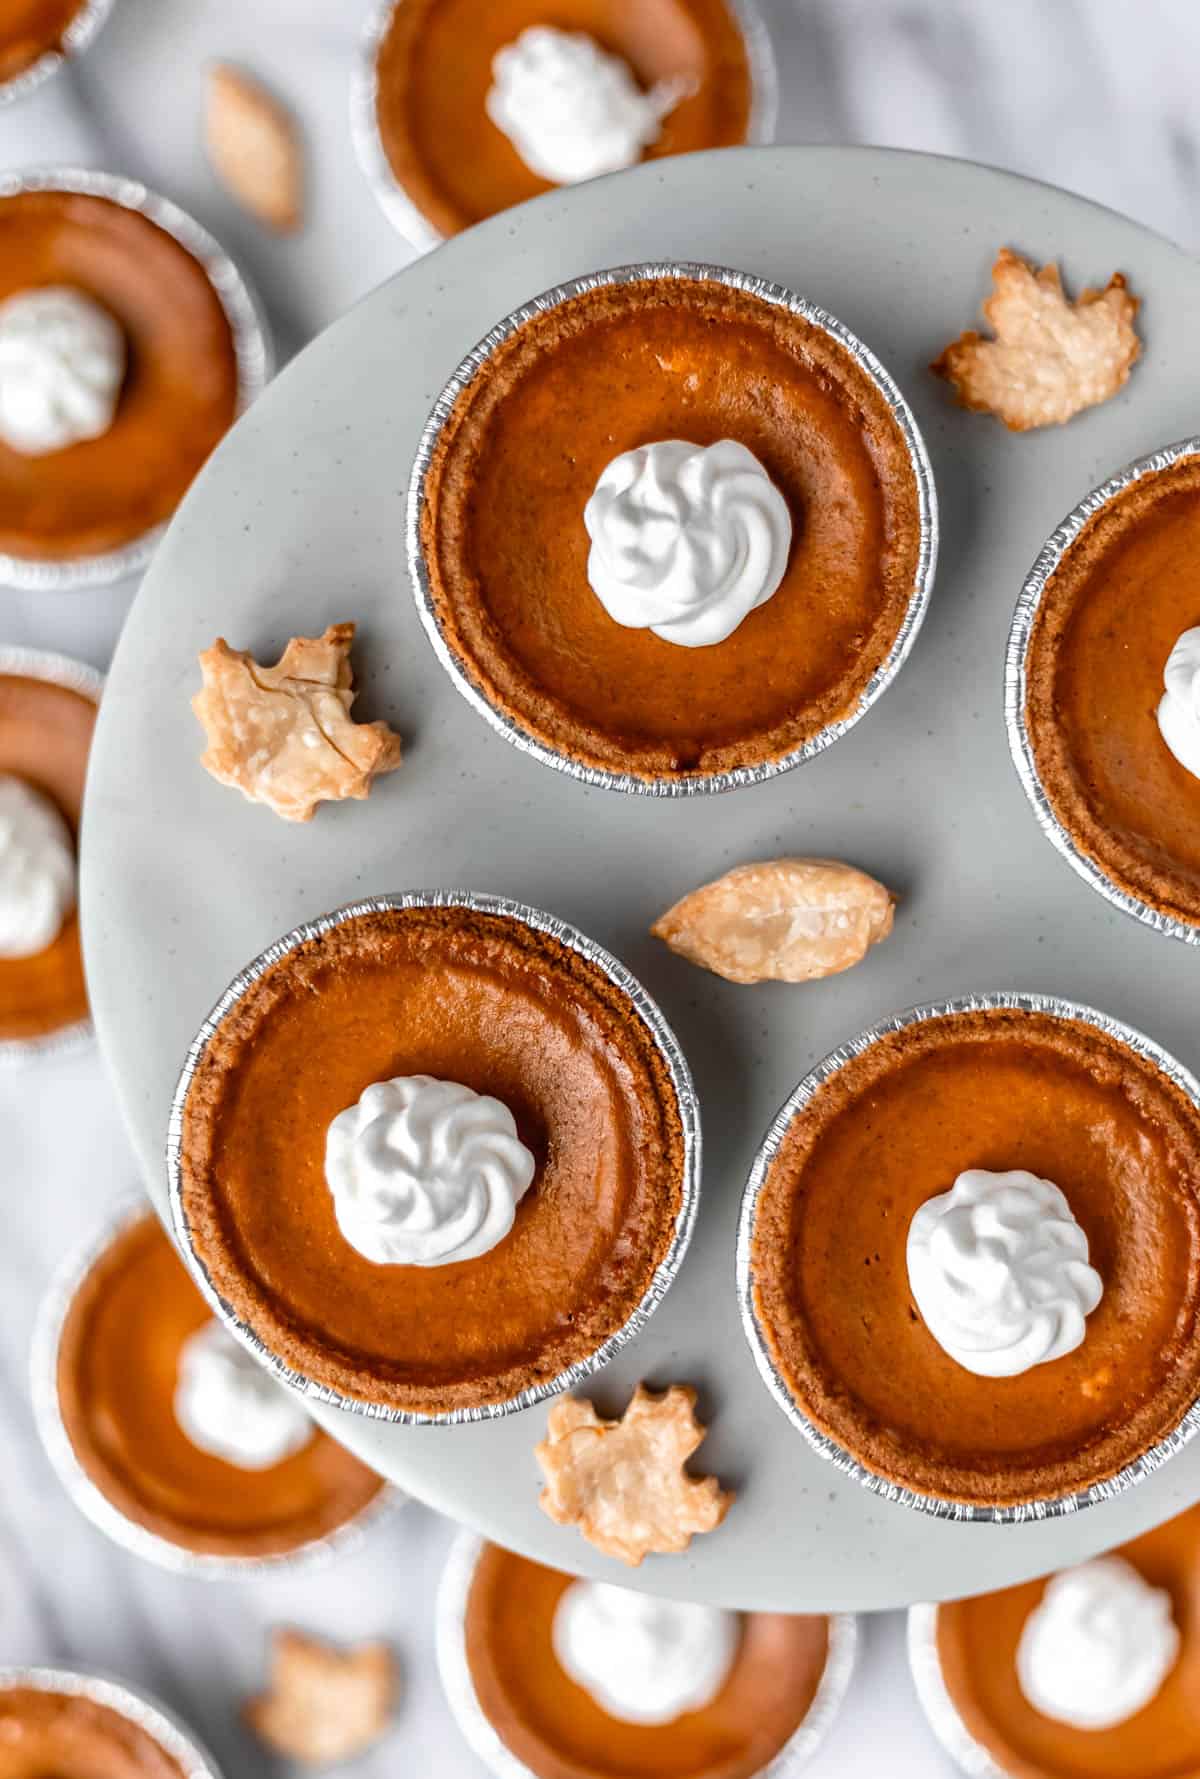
(999, 1270)
(1179, 707)
(686, 539)
(643, 1660)
(424, 1172)
(62, 361)
(570, 109)
(231, 1407)
(37, 869)
(1098, 1645)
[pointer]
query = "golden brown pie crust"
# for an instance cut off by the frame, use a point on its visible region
(118, 1364)
(977, 1648)
(506, 1010)
(45, 734)
(434, 68)
(46, 1733)
(895, 1126)
(30, 29)
(559, 1731)
(505, 548)
(180, 392)
(1109, 617)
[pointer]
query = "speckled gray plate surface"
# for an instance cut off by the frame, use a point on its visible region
(299, 520)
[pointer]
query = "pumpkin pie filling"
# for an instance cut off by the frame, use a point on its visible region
(1109, 617)
(434, 69)
(477, 999)
(893, 1128)
(977, 1644)
(45, 734)
(506, 551)
(30, 29)
(43, 1732)
(179, 395)
(560, 1732)
(118, 1371)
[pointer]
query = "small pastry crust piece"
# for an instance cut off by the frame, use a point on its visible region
(255, 149)
(623, 1482)
(1051, 357)
(283, 735)
(784, 920)
(323, 1704)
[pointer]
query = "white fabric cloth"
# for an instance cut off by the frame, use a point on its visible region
(1079, 93)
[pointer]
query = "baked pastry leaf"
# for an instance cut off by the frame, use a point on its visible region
(255, 149)
(284, 735)
(324, 1704)
(1050, 357)
(782, 920)
(622, 1482)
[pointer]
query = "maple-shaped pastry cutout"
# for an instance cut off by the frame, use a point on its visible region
(623, 1482)
(324, 1704)
(284, 735)
(1050, 357)
(254, 146)
(784, 920)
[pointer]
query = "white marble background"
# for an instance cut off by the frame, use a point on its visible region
(1096, 95)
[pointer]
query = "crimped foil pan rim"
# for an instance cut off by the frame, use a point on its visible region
(405, 215)
(940, 1710)
(253, 349)
(75, 39)
(767, 291)
(822, 1443)
(127, 1701)
(1016, 689)
(450, 1611)
(74, 676)
(87, 1495)
(665, 1042)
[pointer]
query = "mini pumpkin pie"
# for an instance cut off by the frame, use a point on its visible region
(1092, 1674)
(168, 1433)
(33, 31)
(471, 106)
(583, 1680)
(669, 530)
(54, 1721)
(970, 1256)
(434, 1154)
(47, 713)
(1111, 732)
(127, 345)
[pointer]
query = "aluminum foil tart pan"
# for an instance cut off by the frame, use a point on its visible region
(459, 1686)
(669, 1051)
(87, 1495)
(674, 785)
(821, 1442)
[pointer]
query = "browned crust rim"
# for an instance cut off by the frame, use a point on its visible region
(832, 1410)
(473, 638)
(1170, 893)
(229, 1274)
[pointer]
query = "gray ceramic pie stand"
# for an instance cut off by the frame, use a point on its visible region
(300, 520)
